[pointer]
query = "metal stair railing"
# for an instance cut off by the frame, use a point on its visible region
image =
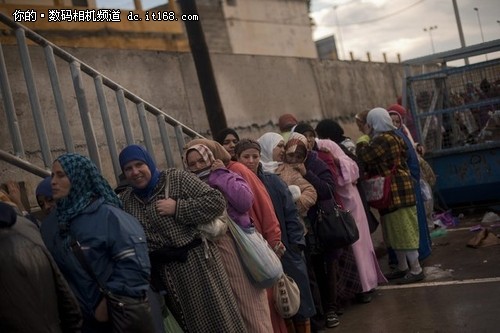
(144, 110)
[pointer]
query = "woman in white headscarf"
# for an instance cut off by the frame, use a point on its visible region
(273, 160)
(272, 151)
(384, 155)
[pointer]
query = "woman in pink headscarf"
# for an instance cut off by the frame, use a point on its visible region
(347, 174)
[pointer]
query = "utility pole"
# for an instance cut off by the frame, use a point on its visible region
(204, 70)
(459, 25)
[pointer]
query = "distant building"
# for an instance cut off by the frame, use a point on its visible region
(256, 27)
(327, 49)
(260, 27)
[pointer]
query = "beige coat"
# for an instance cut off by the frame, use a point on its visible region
(308, 194)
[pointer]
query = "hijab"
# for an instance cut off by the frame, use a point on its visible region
(139, 153)
(330, 129)
(221, 136)
(302, 128)
(286, 122)
(87, 185)
(268, 142)
(207, 156)
(44, 188)
(296, 139)
(403, 127)
(8, 215)
(380, 121)
(245, 144)
(216, 148)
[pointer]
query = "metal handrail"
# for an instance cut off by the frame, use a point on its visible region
(77, 67)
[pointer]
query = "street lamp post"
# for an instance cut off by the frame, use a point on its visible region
(429, 29)
(480, 27)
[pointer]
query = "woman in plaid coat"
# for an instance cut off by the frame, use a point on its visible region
(384, 152)
(197, 287)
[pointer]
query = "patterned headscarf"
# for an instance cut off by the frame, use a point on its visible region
(216, 148)
(87, 184)
(204, 151)
(296, 139)
(245, 144)
(380, 121)
(139, 153)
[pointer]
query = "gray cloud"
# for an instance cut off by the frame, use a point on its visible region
(397, 26)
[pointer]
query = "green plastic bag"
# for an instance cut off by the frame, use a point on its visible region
(171, 325)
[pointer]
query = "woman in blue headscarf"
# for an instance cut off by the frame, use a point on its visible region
(170, 205)
(44, 195)
(88, 215)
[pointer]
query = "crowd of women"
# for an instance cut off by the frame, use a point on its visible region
(145, 244)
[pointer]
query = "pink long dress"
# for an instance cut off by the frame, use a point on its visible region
(369, 271)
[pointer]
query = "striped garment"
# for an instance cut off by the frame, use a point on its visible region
(252, 301)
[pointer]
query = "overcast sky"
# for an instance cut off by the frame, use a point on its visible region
(396, 26)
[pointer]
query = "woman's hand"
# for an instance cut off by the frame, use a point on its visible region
(218, 164)
(166, 206)
(15, 194)
(279, 249)
(101, 311)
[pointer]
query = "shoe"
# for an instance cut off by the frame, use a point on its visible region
(332, 320)
(363, 298)
(411, 278)
(396, 274)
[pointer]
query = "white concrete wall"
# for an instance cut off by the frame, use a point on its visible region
(255, 91)
(270, 27)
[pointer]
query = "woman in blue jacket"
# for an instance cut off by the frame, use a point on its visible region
(113, 243)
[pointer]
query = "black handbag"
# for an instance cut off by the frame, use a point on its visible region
(335, 228)
(126, 314)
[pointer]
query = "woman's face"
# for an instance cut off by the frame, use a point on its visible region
(61, 185)
(250, 158)
(361, 124)
(137, 174)
(311, 139)
(396, 120)
(229, 143)
(296, 157)
(46, 203)
(279, 151)
(195, 161)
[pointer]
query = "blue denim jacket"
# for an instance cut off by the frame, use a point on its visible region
(114, 245)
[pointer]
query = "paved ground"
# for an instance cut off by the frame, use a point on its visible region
(461, 292)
